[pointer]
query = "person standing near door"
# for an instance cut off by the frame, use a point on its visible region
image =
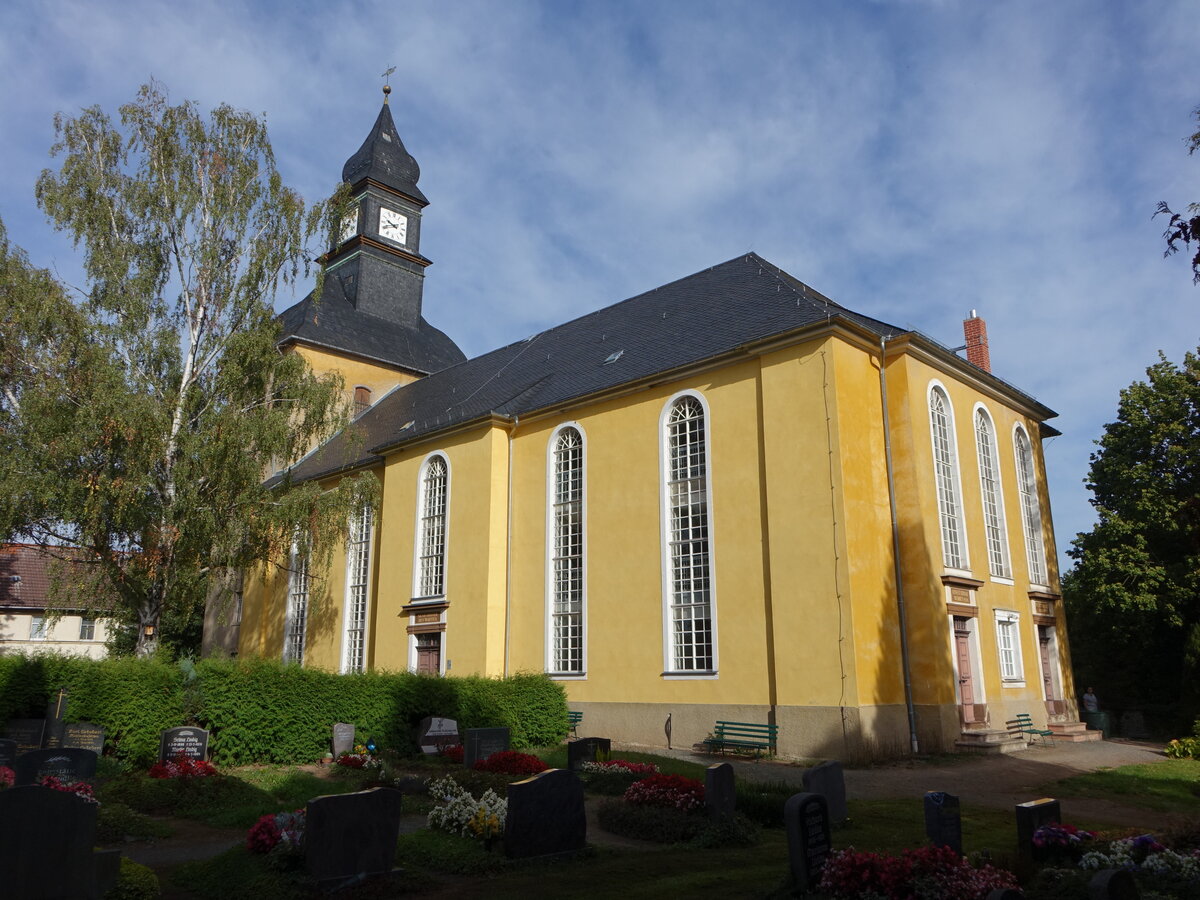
(1091, 703)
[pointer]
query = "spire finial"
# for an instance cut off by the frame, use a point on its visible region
(387, 88)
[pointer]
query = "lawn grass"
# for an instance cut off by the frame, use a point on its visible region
(1171, 786)
(891, 825)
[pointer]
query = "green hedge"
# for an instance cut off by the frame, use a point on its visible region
(263, 711)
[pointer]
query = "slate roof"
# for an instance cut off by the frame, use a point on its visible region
(679, 324)
(383, 158)
(335, 323)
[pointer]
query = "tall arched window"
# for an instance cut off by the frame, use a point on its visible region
(362, 400)
(296, 621)
(1031, 513)
(566, 544)
(358, 591)
(690, 642)
(993, 499)
(945, 470)
(431, 529)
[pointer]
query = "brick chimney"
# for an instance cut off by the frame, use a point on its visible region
(975, 331)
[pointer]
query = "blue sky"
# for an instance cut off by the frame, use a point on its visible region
(911, 160)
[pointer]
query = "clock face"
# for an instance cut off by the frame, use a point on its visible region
(349, 226)
(393, 225)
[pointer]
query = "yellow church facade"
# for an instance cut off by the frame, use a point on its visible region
(728, 498)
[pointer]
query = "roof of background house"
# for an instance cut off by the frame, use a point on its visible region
(684, 323)
(26, 573)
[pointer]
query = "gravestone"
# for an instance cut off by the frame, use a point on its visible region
(1113, 884)
(56, 710)
(26, 732)
(720, 796)
(189, 741)
(46, 840)
(352, 835)
(545, 815)
(943, 820)
(8, 752)
(1030, 817)
(482, 743)
(1004, 894)
(64, 763)
(828, 780)
(586, 750)
(83, 736)
(343, 738)
(806, 817)
(435, 734)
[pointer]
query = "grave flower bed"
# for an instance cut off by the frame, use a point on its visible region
(361, 758)
(277, 832)
(510, 762)
(669, 791)
(614, 777)
(183, 767)
(78, 788)
(458, 812)
(928, 872)
(660, 808)
(452, 752)
(7, 777)
(620, 767)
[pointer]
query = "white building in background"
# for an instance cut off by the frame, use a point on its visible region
(29, 623)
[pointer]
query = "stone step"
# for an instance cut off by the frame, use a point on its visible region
(990, 742)
(1073, 732)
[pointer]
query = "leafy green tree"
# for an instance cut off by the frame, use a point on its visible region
(1133, 596)
(139, 420)
(1184, 228)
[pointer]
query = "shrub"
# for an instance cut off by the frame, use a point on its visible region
(675, 791)
(934, 872)
(1183, 748)
(661, 824)
(763, 803)
(117, 822)
(510, 762)
(135, 882)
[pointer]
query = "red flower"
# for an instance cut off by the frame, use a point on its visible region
(675, 791)
(510, 762)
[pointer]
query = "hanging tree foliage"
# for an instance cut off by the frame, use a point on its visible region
(1133, 597)
(138, 421)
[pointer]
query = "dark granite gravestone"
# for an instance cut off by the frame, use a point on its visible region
(435, 734)
(8, 752)
(83, 736)
(1030, 817)
(189, 741)
(719, 794)
(545, 815)
(46, 840)
(482, 743)
(586, 750)
(56, 711)
(806, 817)
(26, 732)
(1113, 884)
(943, 821)
(1004, 894)
(343, 738)
(352, 835)
(827, 780)
(64, 763)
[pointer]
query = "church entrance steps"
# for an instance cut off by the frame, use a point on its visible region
(1074, 732)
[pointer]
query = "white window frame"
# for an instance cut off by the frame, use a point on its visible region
(947, 481)
(671, 669)
(38, 631)
(554, 616)
(295, 623)
(356, 617)
(1031, 507)
(991, 491)
(422, 555)
(1008, 624)
(87, 629)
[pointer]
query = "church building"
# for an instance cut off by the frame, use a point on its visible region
(726, 498)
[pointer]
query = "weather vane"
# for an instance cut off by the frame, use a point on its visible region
(387, 88)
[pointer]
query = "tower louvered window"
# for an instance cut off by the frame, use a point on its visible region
(358, 574)
(296, 621)
(431, 553)
(993, 501)
(691, 640)
(566, 563)
(945, 468)
(1031, 514)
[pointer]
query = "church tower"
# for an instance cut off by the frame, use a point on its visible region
(369, 323)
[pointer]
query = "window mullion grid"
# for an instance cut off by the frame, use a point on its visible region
(567, 613)
(691, 617)
(360, 542)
